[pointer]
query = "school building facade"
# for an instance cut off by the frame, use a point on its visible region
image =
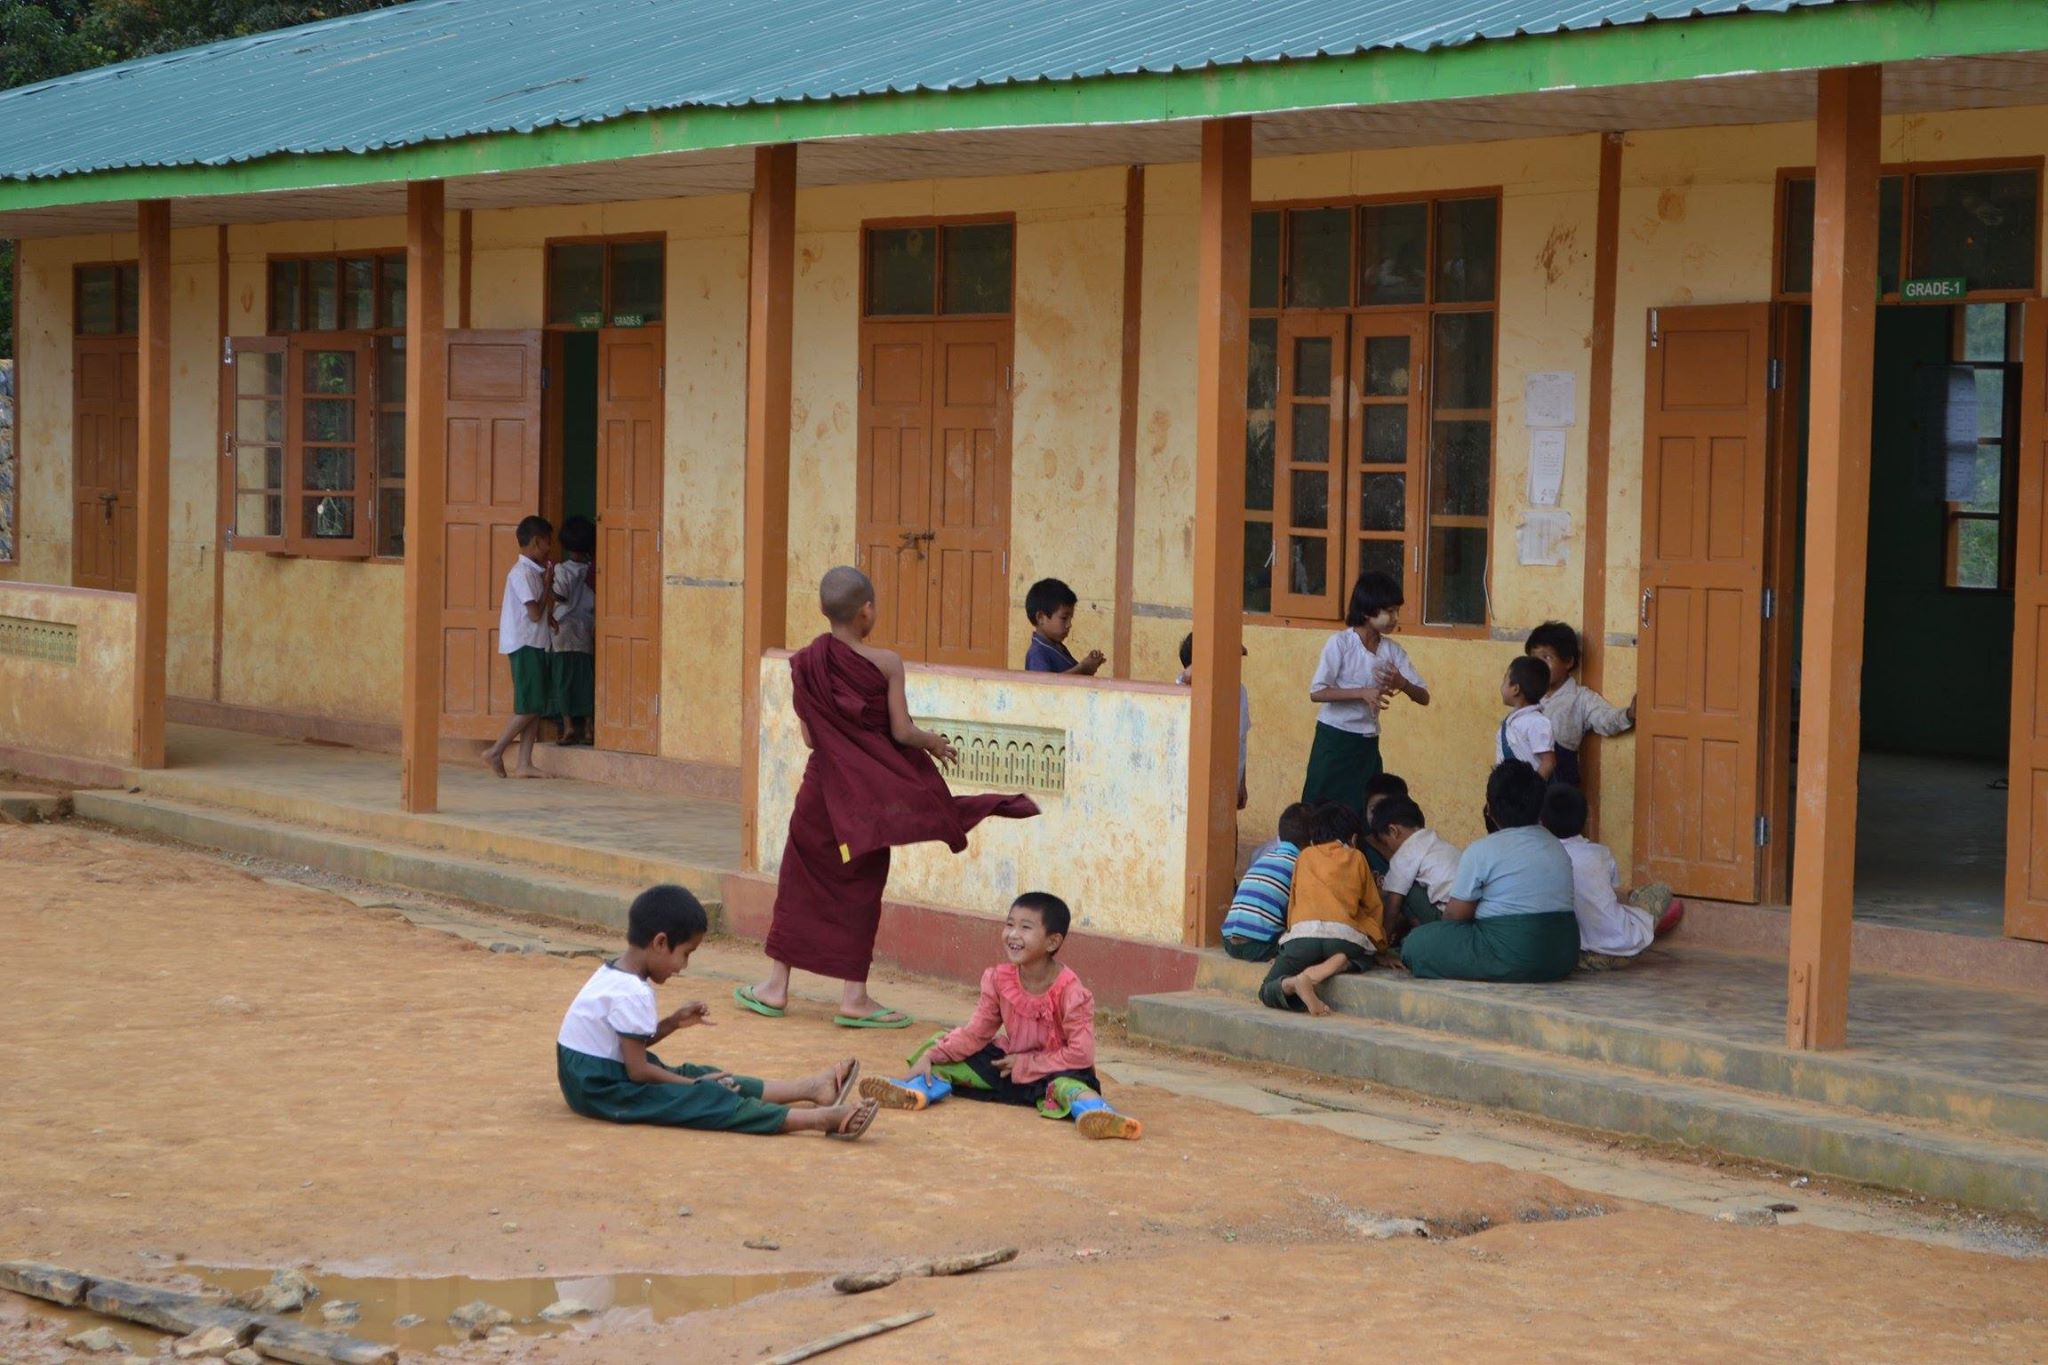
(1717, 335)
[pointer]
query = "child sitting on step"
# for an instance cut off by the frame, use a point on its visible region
(1422, 865)
(1258, 912)
(1611, 930)
(1335, 922)
(1045, 1020)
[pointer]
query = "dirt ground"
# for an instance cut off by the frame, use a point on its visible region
(201, 1066)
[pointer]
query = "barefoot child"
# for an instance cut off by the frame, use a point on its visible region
(1045, 1018)
(523, 640)
(1611, 930)
(606, 1071)
(1335, 922)
(1258, 912)
(1422, 865)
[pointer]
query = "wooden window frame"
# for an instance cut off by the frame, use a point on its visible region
(133, 325)
(2008, 442)
(1909, 172)
(607, 241)
(1415, 533)
(938, 225)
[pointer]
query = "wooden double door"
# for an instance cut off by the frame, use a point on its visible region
(104, 437)
(933, 526)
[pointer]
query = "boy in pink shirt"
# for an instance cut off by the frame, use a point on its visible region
(1045, 1019)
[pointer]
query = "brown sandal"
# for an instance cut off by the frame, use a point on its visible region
(857, 1123)
(851, 1083)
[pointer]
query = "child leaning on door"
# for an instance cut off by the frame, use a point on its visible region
(572, 652)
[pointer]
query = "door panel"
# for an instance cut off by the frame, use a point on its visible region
(104, 453)
(1309, 464)
(493, 461)
(970, 495)
(629, 453)
(894, 483)
(1385, 447)
(1699, 710)
(2026, 824)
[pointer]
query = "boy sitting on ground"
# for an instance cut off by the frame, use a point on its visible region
(606, 1071)
(1049, 606)
(1258, 912)
(1045, 1018)
(1611, 931)
(1335, 923)
(1422, 865)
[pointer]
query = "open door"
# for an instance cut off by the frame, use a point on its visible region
(104, 447)
(1701, 621)
(629, 385)
(2026, 822)
(494, 430)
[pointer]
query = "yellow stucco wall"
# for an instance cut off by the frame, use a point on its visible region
(84, 706)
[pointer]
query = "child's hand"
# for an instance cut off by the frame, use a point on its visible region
(1003, 1066)
(1375, 697)
(942, 749)
(923, 1069)
(1094, 660)
(694, 1012)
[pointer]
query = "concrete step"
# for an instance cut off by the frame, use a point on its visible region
(511, 886)
(1540, 1022)
(1986, 1172)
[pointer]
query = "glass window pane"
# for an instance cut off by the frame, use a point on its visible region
(328, 518)
(636, 283)
(359, 292)
(259, 372)
(259, 514)
(1467, 233)
(1389, 557)
(1258, 566)
(390, 445)
(128, 286)
(391, 284)
(391, 369)
(576, 284)
(1983, 331)
(902, 272)
(98, 312)
(1383, 502)
(1464, 361)
(1976, 553)
(1979, 225)
(331, 420)
(1258, 464)
(284, 297)
(1891, 225)
(1461, 469)
(978, 257)
(1386, 367)
(1798, 263)
(323, 296)
(259, 419)
(1393, 258)
(1311, 443)
(1310, 503)
(1265, 260)
(258, 468)
(1990, 403)
(329, 468)
(1319, 264)
(1308, 565)
(1386, 434)
(1262, 365)
(391, 522)
(330, 372)
(1312, 356)
(1455, 593)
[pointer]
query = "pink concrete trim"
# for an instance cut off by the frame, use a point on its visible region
(58, 589)
(2000, 963)
(62, 768)
(1028, 679)
(262, 720)
(958, 945)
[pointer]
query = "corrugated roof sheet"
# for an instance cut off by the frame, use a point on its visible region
(436, 70)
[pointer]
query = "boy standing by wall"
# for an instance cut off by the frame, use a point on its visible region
(1572, 709)
(523, 640)
(1050, 606)
(572, 653)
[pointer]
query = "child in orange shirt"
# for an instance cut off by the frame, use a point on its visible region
(1335, 920)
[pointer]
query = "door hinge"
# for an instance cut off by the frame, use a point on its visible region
(1770, 603)
(1777, 374)
(860, 377)
(860, 554)
(1763, 830)
(228, 537)
(543, 376)
(227, 445)
(1653, 329)
(657, 704)
(1006, 379)
(1005, 570)
(227, 350)
(661, 378)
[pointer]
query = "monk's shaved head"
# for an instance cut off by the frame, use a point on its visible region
(842, 593)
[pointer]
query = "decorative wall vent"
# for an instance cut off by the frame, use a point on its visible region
(51, 641)
(1005, 757)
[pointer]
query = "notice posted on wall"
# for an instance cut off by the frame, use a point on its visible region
(1546, 467)
(1550, 398)
(1541, 536)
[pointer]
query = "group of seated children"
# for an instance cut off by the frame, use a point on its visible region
(547, 627)
(1031, 1041)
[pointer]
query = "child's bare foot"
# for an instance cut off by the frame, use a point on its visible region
(1304, 990)
(495, 762)
(850, 1121)
(524, 770)
(833, 1087)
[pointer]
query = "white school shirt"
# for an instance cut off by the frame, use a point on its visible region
(612, 1004)
(1525, 734)
(1606, 923)
(575, 610)
(1428, 858)
(1244, 720)
(523, 583)
(1573, 710)
(1346, 662)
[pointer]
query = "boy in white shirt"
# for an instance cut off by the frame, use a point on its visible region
(1611, 930)
(1574, 710)
(1422, 865)
(523, 639)
(1525, 733)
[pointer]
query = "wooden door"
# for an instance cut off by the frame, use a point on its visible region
(894, 484)
(969, 521)
(1701, 617)
(104, 435)
(1308, 464)
(1385, 446)
(2026, 822)
(494, 430)
(629, 384)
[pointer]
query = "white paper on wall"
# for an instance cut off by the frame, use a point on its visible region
(1541, 536)
(1550, 398)
(1546, 467)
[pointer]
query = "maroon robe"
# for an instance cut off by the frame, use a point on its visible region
(862, 793)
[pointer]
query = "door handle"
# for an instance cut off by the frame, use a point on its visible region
(107, 504)
(1643, 617)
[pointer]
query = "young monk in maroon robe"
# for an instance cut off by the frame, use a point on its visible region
(870, 784)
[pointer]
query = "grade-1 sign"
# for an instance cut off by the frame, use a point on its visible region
(1933, 291)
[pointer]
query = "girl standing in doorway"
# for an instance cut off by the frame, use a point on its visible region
(1358, 676)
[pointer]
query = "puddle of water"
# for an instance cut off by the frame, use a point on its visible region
(619, 1300)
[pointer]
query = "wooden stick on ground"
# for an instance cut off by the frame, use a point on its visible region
(848, 1337)
(861, 1281)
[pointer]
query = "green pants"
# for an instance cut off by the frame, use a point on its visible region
(1340, 763)
(598, 1088)
(1297, 955)
(1420, 907)
(1251, 949)
(1499, 948)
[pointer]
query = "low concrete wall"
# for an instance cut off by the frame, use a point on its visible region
(1109, 761)
(67, 671)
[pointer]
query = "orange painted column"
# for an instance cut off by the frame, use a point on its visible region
(1837, 541)
(1127, 421)
(1599, 422)
(152, 477)
(1222, 284)
(426, 490)
(771, 265)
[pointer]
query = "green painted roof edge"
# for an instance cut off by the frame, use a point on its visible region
(1806, 39)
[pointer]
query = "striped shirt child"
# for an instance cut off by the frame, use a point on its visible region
(1259, 909)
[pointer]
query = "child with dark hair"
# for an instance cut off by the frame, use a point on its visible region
(1244, 712)
(1045, 1019)
(523, 639)
(1360, 673)
(1524, 733)
(572, 652)
(606, 1071)
(1573, 710)
(1611, 930)
(1049, 606)
(1378, 789)
(1422, 865)
(1335, 921)
(1510, 915)
(1258, 912)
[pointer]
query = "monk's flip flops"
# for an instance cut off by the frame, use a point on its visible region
(879, 1019)
(744, 997)
(858, 1123)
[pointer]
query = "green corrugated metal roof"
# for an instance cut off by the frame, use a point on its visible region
(438, 70)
